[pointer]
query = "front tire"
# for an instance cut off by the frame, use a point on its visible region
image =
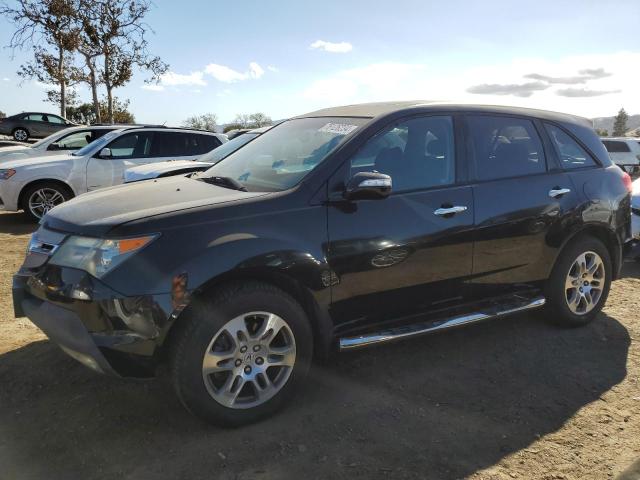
(38, 199)
(20, 135)
(579, 284)
(240, 356)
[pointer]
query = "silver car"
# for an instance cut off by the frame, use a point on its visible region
(32, 125)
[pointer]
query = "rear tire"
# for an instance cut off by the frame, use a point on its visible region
(223, 372)
(579, 285)
(41, 197)
(20, 135)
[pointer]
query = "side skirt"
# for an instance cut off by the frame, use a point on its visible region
(423, 328)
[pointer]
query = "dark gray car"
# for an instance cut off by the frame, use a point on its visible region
(32, 125)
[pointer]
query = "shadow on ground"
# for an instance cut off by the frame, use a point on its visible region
(437, 407)
(16, 224)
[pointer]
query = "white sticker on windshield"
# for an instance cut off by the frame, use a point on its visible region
(338, 128)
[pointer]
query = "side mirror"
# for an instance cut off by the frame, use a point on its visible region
(53, 146)
(368, 186)
(105, 153)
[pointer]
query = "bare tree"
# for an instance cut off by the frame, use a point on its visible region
(243, 120)
(117, 30)
(258, 120)
(207, 121)
(45, 23)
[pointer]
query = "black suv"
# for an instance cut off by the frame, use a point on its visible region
(338, 229)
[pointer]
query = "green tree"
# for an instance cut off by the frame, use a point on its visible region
(602, 132)
(207, 121)
(2, 114)
(49, 26)
(116, 109)
(116, 29)
(620, 123)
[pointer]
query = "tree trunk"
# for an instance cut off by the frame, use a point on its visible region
(107, 83)
(94, 90)
(61, 79)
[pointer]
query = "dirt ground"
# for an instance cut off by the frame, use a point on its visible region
(514, 398)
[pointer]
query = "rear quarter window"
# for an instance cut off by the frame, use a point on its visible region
(570, 153)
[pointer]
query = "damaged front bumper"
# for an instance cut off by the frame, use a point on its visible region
(94, 324)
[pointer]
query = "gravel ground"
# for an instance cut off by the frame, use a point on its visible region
(513, 398)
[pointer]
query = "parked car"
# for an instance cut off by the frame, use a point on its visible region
(181, 167)
(624, 151)
(69, 139)
(23, 126)
(38, 184)
(339, 229)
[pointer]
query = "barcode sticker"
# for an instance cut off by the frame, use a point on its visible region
(338, 128)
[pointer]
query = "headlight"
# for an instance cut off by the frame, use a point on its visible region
(97, 255)
(6, 173)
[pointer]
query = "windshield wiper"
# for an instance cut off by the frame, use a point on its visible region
(225, 182)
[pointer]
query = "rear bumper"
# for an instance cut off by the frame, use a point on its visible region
(110, 333)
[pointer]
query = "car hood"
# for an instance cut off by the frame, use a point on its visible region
(12, 150)
(152, 170)
(95, 213)
(24, 161)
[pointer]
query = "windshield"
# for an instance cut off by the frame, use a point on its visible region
(214, 156)
(281, 157)
(96, 144)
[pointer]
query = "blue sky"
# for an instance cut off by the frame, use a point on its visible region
(581, 57)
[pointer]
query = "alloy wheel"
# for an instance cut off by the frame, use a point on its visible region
(43, 200)
(20, 135)
(249, 360)
(585, 283)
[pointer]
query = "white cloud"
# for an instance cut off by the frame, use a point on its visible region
(225, 74)
(6, 79)
(410, 81)
(271, 68)
(341, 47)
(174, 79)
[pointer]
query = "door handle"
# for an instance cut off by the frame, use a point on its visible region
(558, 192)
(449, 210)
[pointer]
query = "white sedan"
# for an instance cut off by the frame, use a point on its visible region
(64, 141)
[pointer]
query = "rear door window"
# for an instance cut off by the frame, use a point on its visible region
(571, 154)
(170, 144)
(36, 117)
(614, 146)
(505, 147)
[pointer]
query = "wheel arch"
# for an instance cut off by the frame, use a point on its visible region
(321, 324)
(23, 190)
(20, 127)
(606, 235)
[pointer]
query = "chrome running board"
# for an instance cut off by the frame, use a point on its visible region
(422, 328)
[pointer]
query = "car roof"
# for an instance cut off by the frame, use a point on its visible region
(379, 109)
(162, 128)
